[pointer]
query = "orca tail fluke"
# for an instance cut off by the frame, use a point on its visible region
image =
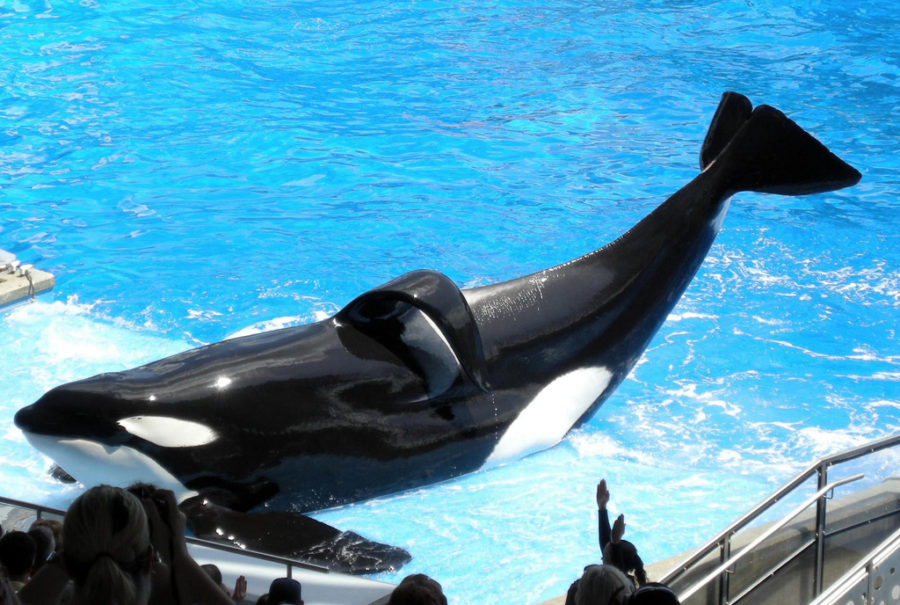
(769, 153)
(733, 111)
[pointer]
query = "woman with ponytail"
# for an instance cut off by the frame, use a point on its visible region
(108, 553)
(112, 556)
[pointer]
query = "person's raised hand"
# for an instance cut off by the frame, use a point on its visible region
(166, 524)
(602, 495)
(618, 529)
(240, 589)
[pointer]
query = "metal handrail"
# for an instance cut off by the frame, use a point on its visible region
(763, 578)
(289, 563)
(723, 539)
(863, 570)
(802, 548)
(39, 509)
(764, 536)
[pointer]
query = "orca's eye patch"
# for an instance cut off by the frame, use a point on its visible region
(166, 431)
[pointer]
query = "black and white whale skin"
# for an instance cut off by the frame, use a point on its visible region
(417, 381)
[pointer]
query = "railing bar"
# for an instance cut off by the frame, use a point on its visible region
(803, 547)
(852, 576)
(189, 539)
(837, 532)
(725, 580)
(775, 569)
(850, 454)
(819, 561)
(30, 506)
(739, 524)
(765, 535)
(255, 554)
(861, 450)
(870, 584)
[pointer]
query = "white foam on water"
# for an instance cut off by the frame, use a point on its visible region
(268, 325)
(323, 311)
(674, 317)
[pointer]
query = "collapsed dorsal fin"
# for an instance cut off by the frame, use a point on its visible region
(440, 300)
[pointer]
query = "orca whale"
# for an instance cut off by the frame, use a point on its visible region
(417, 381)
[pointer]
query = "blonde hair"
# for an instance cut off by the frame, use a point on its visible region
(107, 547)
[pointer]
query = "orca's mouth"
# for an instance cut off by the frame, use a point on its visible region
(93, 463)
(42, 419)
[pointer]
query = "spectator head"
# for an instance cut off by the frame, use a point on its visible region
(285, 591)
(418, 589)
(216, 574)
(108, 553)
(213, 572)
(603, 584)
(570, 594)
(17, 551)
(44, 543)
(55, 526)
(654, 594)
(623, 555)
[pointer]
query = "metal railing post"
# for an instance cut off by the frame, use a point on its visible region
(726, 574)
(709, 547)
(772, 529)
(819, 567)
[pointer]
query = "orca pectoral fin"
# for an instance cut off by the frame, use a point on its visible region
(376, 313)
(292, 535)
(60, 474)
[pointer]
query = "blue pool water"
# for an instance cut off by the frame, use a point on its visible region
(194, 170)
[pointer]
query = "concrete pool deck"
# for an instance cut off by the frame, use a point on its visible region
(20, 281)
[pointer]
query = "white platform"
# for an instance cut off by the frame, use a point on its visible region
(19, 281)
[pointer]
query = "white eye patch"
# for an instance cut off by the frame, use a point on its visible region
(166, 431)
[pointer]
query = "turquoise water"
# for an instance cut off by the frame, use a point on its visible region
(194, 170)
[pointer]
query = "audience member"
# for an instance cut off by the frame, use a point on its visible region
(240, 590)
(55, 527)
(653, 593)
(215, 573)
(284, 591)
(603, 584)
(45, 545)
(110, 548)
(108, 551)
(263, 599)
(240, 585)
(17, 553)
(7, 593)
(570, 594)
(616, 551)
(418, 589)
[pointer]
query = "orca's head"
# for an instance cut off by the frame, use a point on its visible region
(98, 435)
